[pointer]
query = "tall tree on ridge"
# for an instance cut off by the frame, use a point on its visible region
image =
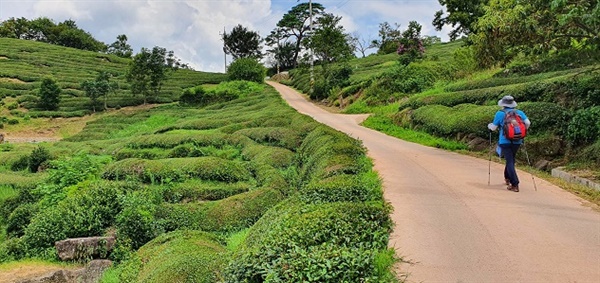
(242, 43)
(295, 26)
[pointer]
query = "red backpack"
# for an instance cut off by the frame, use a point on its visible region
(514, 128)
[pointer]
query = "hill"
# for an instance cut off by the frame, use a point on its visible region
(24, 63)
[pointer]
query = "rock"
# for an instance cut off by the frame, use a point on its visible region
(92, 273)
(61, 276)
(478, 144)
(84, 248)
(542, 165)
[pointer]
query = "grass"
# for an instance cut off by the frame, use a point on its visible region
(236, 239)
(7, 192)
(385, 125)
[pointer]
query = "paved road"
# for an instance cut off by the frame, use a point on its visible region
(455, 227)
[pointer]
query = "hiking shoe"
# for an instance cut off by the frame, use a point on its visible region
(507, 182)
(513, 188)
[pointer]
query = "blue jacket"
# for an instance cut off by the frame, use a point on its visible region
(499, 121)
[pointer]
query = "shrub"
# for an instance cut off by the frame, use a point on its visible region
(326, 152)
(20, 164)
(175, 169)
(196, 190)
(246, 69)
(343, 188)
(20, 218)
(86, 212)
(192, 96)
(285, 137)
(585, 127)
(193, 256)
(450, 121)
(230, 214)
(294, 242)
(38, 158)
(274, 156)
(136, 221)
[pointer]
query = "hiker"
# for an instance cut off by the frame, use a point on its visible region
(509, 145)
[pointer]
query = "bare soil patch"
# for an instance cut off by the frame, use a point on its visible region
(24, 271)
(55, 129)
(12, 80)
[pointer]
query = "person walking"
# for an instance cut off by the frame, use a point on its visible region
(509, 146)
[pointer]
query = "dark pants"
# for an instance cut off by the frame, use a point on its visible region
(510, 151)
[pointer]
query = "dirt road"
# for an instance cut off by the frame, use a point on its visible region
(456, 228)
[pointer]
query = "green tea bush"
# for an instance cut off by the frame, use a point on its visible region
(20, 164)
(343, 188)
(584, 129)
(275, 136)
(175, 169)
(197, 190)
(591, 153)
(20, 218)
(295, 242)
(146, 153)
(269, 176)
(546, 117)
(448, 122)
(274, 156)
(326, 152)
(87, 211)
(170, 140)
(193, 256)
(136, 221)
(230, 214)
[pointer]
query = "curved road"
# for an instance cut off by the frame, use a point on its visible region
(453, 227)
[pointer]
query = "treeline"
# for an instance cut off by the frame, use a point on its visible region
(45, 30)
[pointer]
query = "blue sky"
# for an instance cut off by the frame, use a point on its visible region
(192, 28)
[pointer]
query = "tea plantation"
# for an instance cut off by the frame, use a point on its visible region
(245, 190)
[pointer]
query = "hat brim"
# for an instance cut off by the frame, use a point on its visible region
(511, 105)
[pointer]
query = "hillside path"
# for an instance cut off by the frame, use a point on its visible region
(454, 227)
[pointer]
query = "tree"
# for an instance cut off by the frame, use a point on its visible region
(461, 14)
(295, 26)
(147, 72)
(49, 94)
(100, 88)
(14, 28)
(388, 38)
(120, 47)
(360, 44)
(410, 46)
(248, 69)
(242, 43)
(329, 42)
(535, 27)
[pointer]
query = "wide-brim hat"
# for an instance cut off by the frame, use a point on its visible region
(507, 101)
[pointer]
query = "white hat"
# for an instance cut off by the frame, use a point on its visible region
(507, 101)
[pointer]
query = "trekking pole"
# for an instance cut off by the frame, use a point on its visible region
(529, 162)
(490, 162)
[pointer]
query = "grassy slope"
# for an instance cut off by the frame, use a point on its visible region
(477, 82)
(24, 63)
